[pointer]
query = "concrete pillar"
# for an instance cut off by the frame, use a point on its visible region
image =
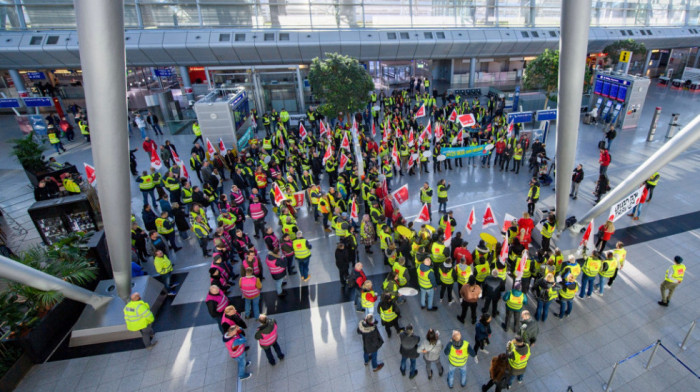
(300, 91)
(472, 71)
(103, 61)
(668, 152)
(697, 59)
(573, 44)
(646, 63)
(186, 84)
(20, 273)
(19, 83)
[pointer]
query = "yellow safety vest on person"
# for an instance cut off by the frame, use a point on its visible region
(458, 356)
(366, 303)
(548, 229)
(591, 267)
(424, 279)
(446, 277)
(463, 273)
(400, 272)
(610, 271)
(160, 227)
(533, 195)
(84, 130)
(387, 315)
(518, 154)
(675, 273)
(53, 139)
(515, 302)
(201, 231)
(442, 192)
(147, 183)
(519, 361)
(70, 186)
(437, 253)
(301, 251)
(502, 273)
(482, 271)
(196, 129)
(137, 315)
(527, 272)
(566, 293)
(654, 179)
(162, 264)
(384, 240)
(424, 198)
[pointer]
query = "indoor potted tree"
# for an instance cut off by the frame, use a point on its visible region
(30, 155)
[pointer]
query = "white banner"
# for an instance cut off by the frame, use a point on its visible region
(625, 205)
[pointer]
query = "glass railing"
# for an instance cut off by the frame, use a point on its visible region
(335, 14)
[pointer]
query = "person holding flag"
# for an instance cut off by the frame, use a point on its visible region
(426, 197)
(442, 189)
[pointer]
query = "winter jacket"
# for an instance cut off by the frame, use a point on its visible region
(470, 293)
(529, 330)
(409, 345)
(371, 339)
(432, 351)
(482, 331)
(265, 329)
(498, 368)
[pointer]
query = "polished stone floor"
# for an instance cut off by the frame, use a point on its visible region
(318, 333)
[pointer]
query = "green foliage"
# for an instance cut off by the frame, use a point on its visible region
(543, 72)
(340, 83)
(29, 153)
(613, 50)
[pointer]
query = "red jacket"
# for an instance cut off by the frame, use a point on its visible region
(604, 158)
(463, 252)
(606, 234)
(150, 146)
(500, 147)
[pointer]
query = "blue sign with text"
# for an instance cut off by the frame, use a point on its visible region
(520, 117)
(36, 75)
(544, 115)
(163, 72)
(9, 103)
(38, 102)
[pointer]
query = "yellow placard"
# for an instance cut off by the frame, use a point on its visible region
(625, 56)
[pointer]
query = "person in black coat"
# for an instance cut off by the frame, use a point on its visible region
(492, 288)
(409, 350)
(181, 220)
(601, 187)
(199, 197)
(149, 217)
(343, 262)
(371, 341)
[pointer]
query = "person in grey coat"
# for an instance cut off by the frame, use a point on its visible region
(409, 350)
(528, 328)
(431, 348)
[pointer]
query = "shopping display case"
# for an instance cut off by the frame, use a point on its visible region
(56, 218)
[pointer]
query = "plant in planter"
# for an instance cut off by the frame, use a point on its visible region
(29, 153)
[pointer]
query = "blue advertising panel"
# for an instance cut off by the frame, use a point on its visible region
(611, 79)
(38, 102)
(606, 89)
(622, 94)
(516, 97)
(163, 72)
(520, 117)
(613, 90)
(38, 123)
(545, 115)
(36, 75)
(598, 87)
(9, 103)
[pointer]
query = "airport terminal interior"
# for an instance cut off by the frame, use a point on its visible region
(183, 58)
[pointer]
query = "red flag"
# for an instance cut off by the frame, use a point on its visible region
(471, 221)
(510, 128)
(411, 161)
(398, 132)
(155, 160)
(489, 217)
(466, 120)
(327, 155)
(448, 233)
(521, 265)
(302, 131)
(353, 211)
(183, 171)
(438, 132)
(421, 112)
(453, 115)
(504, 251)
(507, 222)
(424, 215)
(222, 147)
(374, 130)
(395, 156)
(385, 133)
(299, 199)
(587, 239)
(279, 196)
(176, 158)
(401, 195)
(343, 162)
(90, 173)
(411, 140)
(488, 128)
(345, 143)
(210, 148)
(459, 137)
(425, 134)
(323, 130)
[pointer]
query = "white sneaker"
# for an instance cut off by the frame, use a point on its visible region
(484, 351)
(476, 359)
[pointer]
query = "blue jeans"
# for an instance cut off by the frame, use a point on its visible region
(451, 374)
(637, 210)
(372, 357)
(413, 364)
(241, 365)
(278, 285)
(586, 281)
(166, 280)
(355, 295)
(145, 197)
(486, 160)
(426, 292)
(442, 207)
(304, 267)
(510, 380)
(568, 304)
(143, 132)
(542, 310)
(255, 302)
(601, 283)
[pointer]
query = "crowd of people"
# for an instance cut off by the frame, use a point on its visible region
(322, 163)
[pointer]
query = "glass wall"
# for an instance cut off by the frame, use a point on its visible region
(333, 14)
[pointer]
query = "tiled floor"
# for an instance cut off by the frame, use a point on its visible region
(324, 352)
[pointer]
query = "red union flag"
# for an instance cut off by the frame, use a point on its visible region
(421, 112)
(210, 148)
(489, 218)
(520, 268)
(425, 134)
(424, 215)
(587, 239)
(299, 199)
(488, 128)
(90, 173)
(345, 144)
(328, 154)
(411, 140)
(279, 195)
(504, 251)
(459, 137)
(323, 130)
(395, 156)
(471, 221)
(302, 131)
(510, 128)
(374, 130)
(411, 161)
(222, 147)
(453, 115)
(466, 120)
(438, 132)
(448, 233)
(353, 211)
(183, 170)
(176, 158)
(155, 161)
(401, 195)
(343, 162)
(507, 222)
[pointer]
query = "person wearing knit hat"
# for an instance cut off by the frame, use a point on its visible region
(674, 277)
(515, 301)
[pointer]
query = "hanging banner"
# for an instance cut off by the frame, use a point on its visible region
(461, 152)
(625, 205)
(299, 199)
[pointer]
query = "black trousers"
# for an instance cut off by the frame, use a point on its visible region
(466, 306)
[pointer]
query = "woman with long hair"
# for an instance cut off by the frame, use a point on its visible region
(605, 231)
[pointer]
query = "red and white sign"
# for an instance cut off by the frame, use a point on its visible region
(424, 215)
(411, 162)
(374, 130)
(520, 268)
(448, 233)
(183, 171)
(155, 160)
(353, 211)
(587, 239)
(438, 132)
(489, 218)
(626, 205)
(425, 134)
(395, 156)
(210, 148)
(471, 221)
(222, 147)
(279, 195)
(302, 131)
(90, 173)
(299, 199)
(345, 143)
(343, 161)
(401, 195)
(421, 112)
(488, 128)
(453, 115)
(466, 120)
(176, 158)
(510, 128)
(504, 251)
(507, 222)
(324, 130)
(459, 137)
(327, 155)
(411, 139)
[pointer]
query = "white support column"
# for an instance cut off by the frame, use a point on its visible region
(103, 61)
(472, 71)
(573, 44)
(186, 83)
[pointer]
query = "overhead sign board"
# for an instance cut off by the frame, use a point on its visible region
(38, 102)
(36, 75)
(9, 103)
(520, 117)
(545, 115)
